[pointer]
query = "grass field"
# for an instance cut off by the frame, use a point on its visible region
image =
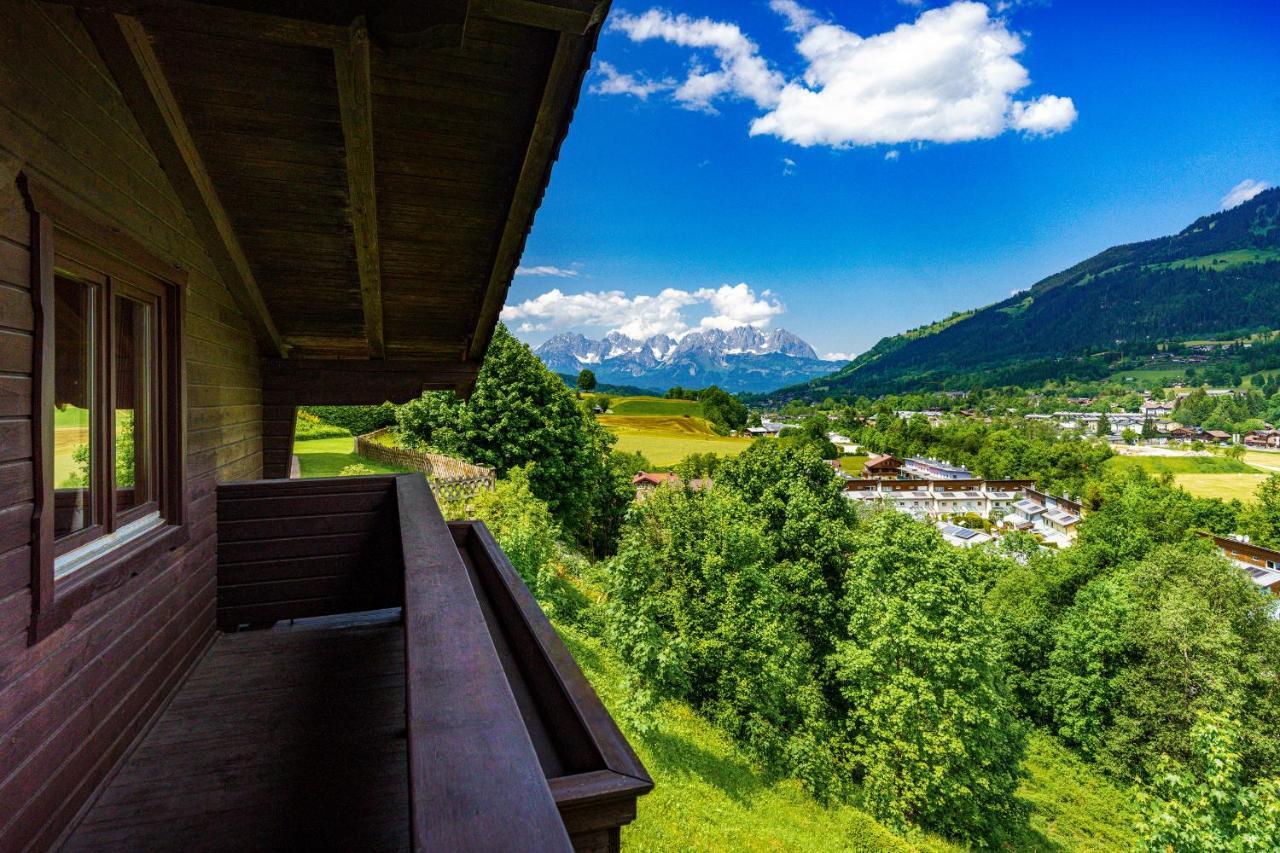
(1183, 464)
(709, 797)
(1148, 375)
(665, 440)
(326, 457)
(1223, 260)
(1225, 486)
(852, 464)
(654, 406)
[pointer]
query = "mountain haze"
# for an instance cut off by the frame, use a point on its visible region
(1219, 274)
(740, 359)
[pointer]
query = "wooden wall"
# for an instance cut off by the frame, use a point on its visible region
(70, 704)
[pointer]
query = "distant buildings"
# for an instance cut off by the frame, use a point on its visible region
(935, 499)
(962, 537)
(1054, 519)
(934, 469)
(883, 466)
(1261, 564)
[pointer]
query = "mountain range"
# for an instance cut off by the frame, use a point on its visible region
(1219, 274)
(740, 359)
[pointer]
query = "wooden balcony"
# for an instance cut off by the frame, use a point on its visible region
(380, 681)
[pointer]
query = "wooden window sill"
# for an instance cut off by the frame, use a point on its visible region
(107, 572)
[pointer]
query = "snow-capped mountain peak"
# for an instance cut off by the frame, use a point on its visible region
(741, 358)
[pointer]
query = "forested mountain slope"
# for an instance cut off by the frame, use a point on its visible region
(1221, 273)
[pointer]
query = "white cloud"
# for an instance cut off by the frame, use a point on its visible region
(742, 72)
(951, 75)
(837, 356)
(614, 82)
(555, 272)
(1242, 192)
(1045, 115)
(788, 166)
(891, 154)
(725, 307)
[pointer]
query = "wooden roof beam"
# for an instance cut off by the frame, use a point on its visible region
(355, 104)
(558, 99)
(223, 22)
(127, 51)
(566, 16)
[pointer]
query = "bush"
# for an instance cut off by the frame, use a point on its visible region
(356, 420)
(356, 470)
(309, 426)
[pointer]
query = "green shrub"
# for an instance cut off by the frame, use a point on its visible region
(308, 429)
(356, 420)
(356, 470)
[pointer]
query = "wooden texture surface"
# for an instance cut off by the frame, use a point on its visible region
(317, 548)
(480, 787)
(70, 704)
(279, 740)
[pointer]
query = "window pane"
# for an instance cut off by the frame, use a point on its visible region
(73, 397)
(133, 397)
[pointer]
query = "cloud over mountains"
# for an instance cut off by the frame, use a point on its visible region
(642, 316)
(951, 75)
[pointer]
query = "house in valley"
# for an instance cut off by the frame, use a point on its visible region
(1261, 564)
(882, 466)
(212, 213)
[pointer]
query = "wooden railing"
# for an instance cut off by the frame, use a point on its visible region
(508, 745)
(452, 480)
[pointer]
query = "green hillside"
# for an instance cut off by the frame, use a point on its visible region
(1220, 274)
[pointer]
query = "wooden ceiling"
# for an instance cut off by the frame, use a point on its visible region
(363, 173)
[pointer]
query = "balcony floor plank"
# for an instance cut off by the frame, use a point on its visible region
(233, 764)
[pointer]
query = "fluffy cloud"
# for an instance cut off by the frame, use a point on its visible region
(837, 356)
(725, 307)
(1242, 192)
(951, 75)
(613, 82)
(555, 272)
(741, 71)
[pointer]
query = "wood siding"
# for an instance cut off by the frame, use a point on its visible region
(306, 548)
(72, 703)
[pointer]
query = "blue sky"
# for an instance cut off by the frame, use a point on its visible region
(851, 169)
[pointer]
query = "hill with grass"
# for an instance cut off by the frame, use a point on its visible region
(1220, 274)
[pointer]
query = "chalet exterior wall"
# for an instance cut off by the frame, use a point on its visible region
(71, 703)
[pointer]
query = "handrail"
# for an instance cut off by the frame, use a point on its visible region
(475, 782)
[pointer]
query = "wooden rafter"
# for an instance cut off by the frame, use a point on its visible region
(557, 99)
(129, 56)
(355, 103)
(568, 16)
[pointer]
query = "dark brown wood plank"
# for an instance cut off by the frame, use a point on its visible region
(266, 778)
(481, 787)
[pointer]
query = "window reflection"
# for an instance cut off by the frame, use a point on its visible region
(132, 404)
(72, 415)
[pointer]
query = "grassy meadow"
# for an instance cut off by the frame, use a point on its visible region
(665, 431)
(1205, 476)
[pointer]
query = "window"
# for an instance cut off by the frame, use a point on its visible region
(106, 452)
(107, 408)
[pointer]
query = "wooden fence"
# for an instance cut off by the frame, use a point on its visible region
(451, 479)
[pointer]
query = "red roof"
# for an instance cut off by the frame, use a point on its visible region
(653, 479)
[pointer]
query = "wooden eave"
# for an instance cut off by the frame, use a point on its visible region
(363, 175)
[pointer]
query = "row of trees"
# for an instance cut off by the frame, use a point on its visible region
(864, 654)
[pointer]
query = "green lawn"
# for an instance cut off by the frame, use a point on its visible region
(326, 457)
(852, 464)
(709, 797)
(665, 440)
(1183, 464)
(1148, 376)
(653, 406)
